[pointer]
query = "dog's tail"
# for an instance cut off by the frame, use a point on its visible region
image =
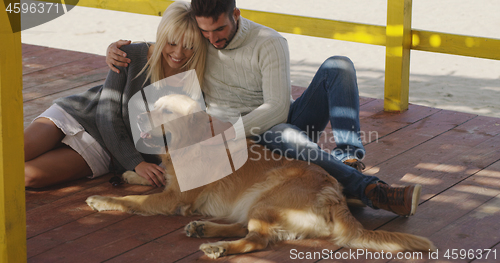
(347, 231)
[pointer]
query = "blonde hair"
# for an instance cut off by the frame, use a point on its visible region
(178, 25)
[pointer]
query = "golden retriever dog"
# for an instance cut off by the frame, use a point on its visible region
(265, 201)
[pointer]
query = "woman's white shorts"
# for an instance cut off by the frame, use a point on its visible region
(79, 140)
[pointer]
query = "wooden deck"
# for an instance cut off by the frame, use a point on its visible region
(455, 156)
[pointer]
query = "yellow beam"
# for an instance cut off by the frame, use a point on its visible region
(470, 46)
(397, 64)
(12, 196)
(317, 27)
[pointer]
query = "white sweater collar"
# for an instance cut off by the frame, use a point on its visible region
(241, 34)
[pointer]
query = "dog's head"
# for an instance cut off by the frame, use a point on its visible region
(190, 142)
(176, 119)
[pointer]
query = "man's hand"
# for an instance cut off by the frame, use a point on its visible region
(116, 57)
(151, 172)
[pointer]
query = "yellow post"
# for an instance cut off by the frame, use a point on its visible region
(397, 64)
(12, 195)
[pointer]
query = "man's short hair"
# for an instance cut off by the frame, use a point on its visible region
(213, 8)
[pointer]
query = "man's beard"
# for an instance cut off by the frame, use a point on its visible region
(230, 37)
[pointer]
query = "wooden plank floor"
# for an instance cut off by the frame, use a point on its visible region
(455, 156)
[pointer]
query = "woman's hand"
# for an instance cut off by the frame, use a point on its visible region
(116, 57)
(151, 172)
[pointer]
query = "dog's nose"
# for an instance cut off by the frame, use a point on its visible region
(144, 120)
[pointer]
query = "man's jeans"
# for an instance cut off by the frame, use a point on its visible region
(331, 97)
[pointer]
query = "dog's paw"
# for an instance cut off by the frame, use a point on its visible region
(214, 250)
(99, 203)
(131, 177)
(195, 229)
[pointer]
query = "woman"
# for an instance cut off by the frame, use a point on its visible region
(88, 135)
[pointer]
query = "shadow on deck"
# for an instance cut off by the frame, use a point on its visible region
(455, 156)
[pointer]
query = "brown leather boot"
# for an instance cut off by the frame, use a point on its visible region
(402, 201)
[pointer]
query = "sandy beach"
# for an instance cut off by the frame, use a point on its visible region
(437, 80)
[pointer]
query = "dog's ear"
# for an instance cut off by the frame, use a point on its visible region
(193, 107)
(199, 118)
(199, 124)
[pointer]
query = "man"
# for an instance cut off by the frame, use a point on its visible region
(248, 70)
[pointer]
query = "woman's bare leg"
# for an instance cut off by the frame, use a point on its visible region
(47, 160)
(41, 136)
(55, 166)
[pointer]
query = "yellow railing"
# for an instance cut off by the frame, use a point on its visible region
(398, 37)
